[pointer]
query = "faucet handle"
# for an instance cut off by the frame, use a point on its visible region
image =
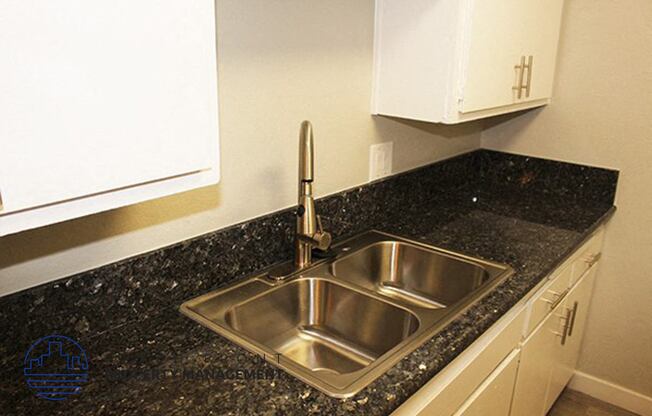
(322, 239)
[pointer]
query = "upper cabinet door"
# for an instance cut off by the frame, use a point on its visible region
(495, 46)
(542, 26)
(101, 96)
(512, 51)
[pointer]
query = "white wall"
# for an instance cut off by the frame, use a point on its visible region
(280, 62)
(602, 115)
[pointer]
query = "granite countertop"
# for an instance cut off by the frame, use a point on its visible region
(146, 358)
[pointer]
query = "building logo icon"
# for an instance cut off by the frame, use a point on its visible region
(56, 367)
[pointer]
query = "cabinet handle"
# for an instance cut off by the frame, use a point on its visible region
(567, 321)
(528, 86)
(556, 302)
(1, 205)
(572, 321)
(521, 69)
(593, 259)
(564, 332)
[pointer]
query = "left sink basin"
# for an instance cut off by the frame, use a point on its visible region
(309, 321)
(322, 331)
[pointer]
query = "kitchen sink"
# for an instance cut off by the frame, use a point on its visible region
(342, 322)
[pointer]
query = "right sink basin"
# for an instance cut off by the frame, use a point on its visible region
(400, 270)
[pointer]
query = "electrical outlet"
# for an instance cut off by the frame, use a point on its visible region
(380, 160)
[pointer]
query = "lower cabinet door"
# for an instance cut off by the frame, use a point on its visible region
(580, 302)
(567, 354)
(494, 396)
(535, 368)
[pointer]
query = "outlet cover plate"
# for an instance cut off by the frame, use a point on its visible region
(380, 160)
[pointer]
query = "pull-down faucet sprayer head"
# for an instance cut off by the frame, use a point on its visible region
(306, 153)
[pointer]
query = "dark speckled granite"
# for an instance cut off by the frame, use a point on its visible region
(546, 177)
(527, 212)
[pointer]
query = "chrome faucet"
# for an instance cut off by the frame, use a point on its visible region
(310, 232)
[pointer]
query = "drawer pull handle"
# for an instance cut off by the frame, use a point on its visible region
(571, 326)
(1, 205)
(593, 259)
(557, 301)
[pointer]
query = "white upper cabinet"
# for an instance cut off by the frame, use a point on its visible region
(104, 104)
(450, 61)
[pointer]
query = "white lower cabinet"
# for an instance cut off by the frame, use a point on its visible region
(477, 374)
(521, 364)
(493, 397)
(550, 354)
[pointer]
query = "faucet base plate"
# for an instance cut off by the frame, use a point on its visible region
(283, 271)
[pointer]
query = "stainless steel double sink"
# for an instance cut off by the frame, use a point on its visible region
(343, 322)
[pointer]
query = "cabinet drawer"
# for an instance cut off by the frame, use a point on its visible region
(548, 298)
(589, 255)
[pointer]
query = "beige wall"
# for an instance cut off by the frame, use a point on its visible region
(602, 115)
(280, 62)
